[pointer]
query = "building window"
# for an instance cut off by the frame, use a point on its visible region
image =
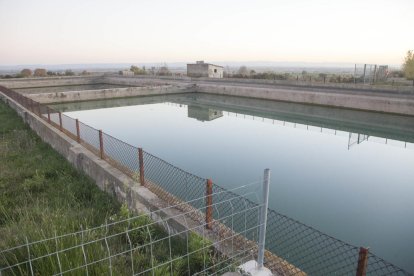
(215, 70)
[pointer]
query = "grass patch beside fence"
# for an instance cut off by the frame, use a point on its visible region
(42, 195)
(40, 192)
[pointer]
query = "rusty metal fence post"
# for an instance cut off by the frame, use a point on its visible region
(60, 121)
(362, 262)
(209, 204)
(77, 131)
(101, 146)
(141, 166)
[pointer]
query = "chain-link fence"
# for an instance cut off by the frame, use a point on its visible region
(292, 247)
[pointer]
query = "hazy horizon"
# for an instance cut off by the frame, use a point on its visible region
(183, 63)
(275, 31)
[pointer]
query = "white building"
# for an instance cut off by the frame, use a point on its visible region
(201, 69)
(202, 113)
(127, 73)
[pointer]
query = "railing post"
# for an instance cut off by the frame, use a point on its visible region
(60, 121)
(48, 115)
(263, 219)
(77, 131)
(362, 261)
(101, 146)
(209, 204)
(141, 166)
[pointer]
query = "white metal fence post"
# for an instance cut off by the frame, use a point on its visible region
(263, 218)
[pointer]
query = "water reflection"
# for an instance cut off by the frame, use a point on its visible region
(315, 118)
(202, 113)
(332, 168)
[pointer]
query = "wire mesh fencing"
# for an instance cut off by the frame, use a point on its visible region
(183, 185)
(162, 242)
(292, 248)
(121, 155)
(69, 125)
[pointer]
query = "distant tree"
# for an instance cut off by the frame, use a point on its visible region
(243, 71)
(164, 71)
(84, 73)
(39, 72)
(323, 76)
(26, 72)
(51, 73)
(227, 72)
(137, 70)
(69, 72)
(396, 74)
(408, 66)
(151, 71)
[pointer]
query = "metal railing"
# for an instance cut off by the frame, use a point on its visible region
(292, 248)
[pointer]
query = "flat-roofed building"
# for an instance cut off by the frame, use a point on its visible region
(202, 69)
(127, 73)
(203, 113)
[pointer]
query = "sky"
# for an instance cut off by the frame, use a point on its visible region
(128, 31)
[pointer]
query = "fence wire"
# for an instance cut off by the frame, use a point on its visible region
(293, 248)
(89, 136)
(69, 125)
(183, 185)
(121, 155)
(140, 245)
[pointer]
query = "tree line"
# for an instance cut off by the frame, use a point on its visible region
(41, 72)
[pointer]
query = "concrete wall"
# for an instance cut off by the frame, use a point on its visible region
(50, 81)
(403, 106)
(314, 85)
(215, 71)
(86, 95)
(141, 80)
(288, 83)
(400, 102)
(197, 70)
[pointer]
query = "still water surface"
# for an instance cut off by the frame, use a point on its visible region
(333, 176)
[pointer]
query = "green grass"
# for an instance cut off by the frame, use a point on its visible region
(42, 195)
(39, 189)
